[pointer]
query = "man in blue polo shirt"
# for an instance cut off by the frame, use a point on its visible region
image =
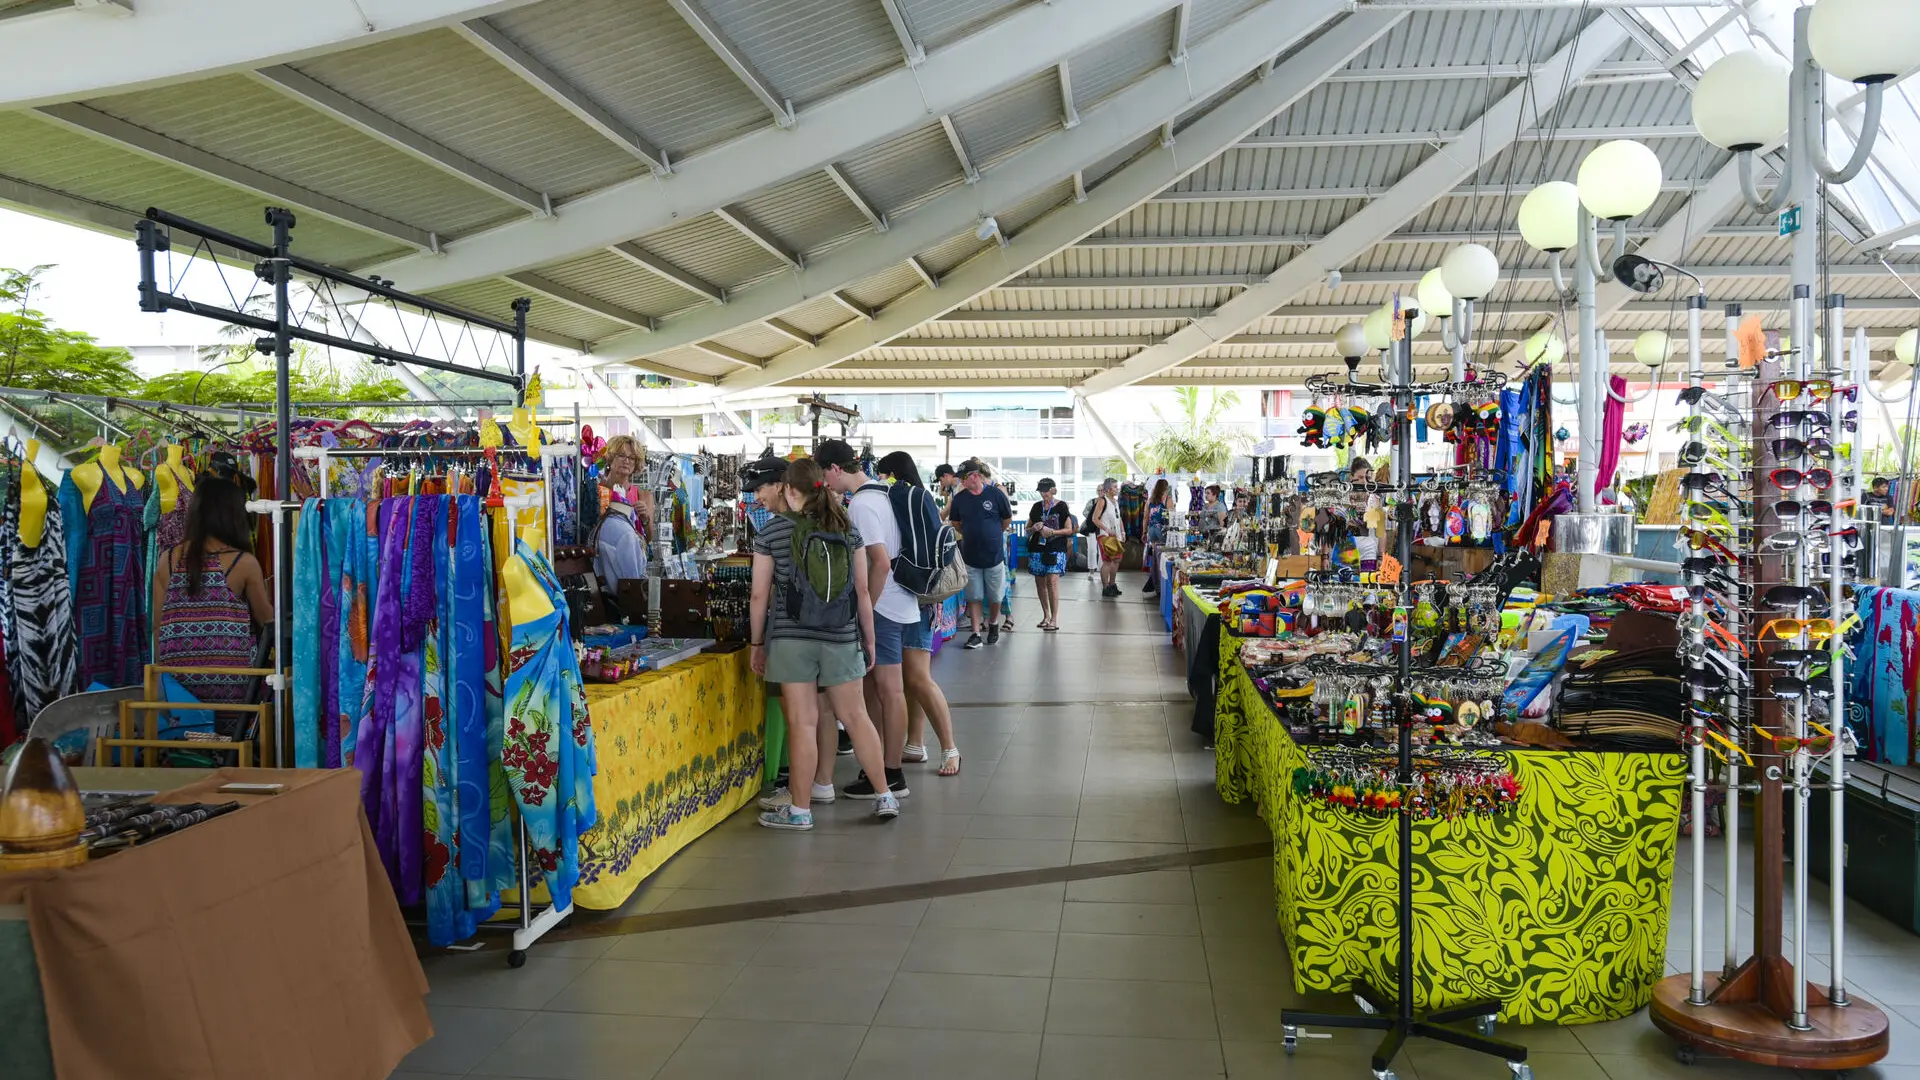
(980, 514)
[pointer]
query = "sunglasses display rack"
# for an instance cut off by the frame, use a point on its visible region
(1769, 531)
(1393, 1013)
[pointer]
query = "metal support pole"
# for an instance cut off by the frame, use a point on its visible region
(1837, 712)
(282, 221)
(1697, 758)
(1592, 373)
(1120, 449)
(521, 305)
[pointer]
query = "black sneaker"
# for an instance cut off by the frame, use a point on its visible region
(846, 743)
(861, 788)
(973, 642)
(993, 635)
(897, 783)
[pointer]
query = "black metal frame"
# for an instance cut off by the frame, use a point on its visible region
(1385, 1012)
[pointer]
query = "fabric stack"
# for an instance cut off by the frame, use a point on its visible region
(1626, 693)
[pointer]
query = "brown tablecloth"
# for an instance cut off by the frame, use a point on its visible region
(264, 943)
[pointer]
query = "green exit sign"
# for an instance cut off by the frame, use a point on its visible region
(1789, 221)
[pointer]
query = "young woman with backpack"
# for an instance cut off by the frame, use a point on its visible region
(925, 700)
(813, 620)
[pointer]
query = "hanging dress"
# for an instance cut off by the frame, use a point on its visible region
(110, 581)
(41, 651)
(210, 628)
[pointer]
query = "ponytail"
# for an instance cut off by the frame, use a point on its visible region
(817, 500)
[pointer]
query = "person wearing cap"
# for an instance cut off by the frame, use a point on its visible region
(1050, 528)
(896, 612)
(945, 483)
(980, 513)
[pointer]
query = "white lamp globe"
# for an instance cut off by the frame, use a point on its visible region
(1652, 348)
(1378, 327)
(1352, 340)
(1741, 101)
(1417, 322)
(1433, 296)
(1470, 271)
(1619, 180)
(1865, 41)
(1905, 346)
(1550, 216)
(1546, 347)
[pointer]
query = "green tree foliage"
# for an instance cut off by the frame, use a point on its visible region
(36, 355)
(1195, 440)
(240, 377)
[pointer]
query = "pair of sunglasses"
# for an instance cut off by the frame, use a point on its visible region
(1787, 596)
(1793, 744)
(1816, 389)
(1815, 629)
(1714, 741)
(1789, 448)
(1814, 419)
(1714, 631)
(1798, 659)
(1701, 540)
(1794, 688)
(1791, 479)
(1697, 452)
(1712, 515)
(1787, 508)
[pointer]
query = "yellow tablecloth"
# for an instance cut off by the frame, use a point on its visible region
(679, 750)
(1557, 909)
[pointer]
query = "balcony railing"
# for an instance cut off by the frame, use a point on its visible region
(1021, 427)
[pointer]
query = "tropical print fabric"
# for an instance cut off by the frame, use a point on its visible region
(108, 574)
(1557, 910)
(1884, 680)
(36, 620)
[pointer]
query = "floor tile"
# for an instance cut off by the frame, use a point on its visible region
(981, 952)
(1180, 1010)
(1143, 828)
(646, 988)
(1082, 1057)
(1345, 1055)
(835, 945)
(1259, 959)
(1017, 827)
(892, 1053)
(929, 999)
(721, 1048)
(1238, 920)
(464, 1036)
(1013, 909)
(1436, 1061)
(1095, 851)
(587, 1046)
(484, 979)
(979, 851)
(902, 913)
(1180, 920)
(803, 995)
(1130, 956)
(727, 943)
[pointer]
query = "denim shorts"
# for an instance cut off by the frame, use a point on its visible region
(823, 664)
(1044, 563)
(986, 586)
(889, 638)
(919, 635)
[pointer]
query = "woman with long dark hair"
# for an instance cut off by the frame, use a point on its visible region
(925, 700)
(811, 647)
(1159, 515)
(209, 593)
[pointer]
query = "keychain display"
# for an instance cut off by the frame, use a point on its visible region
(1446, 784)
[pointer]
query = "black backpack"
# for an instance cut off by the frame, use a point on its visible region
(929, 564)
(819, 595)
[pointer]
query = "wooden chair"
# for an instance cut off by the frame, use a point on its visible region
(139, 726)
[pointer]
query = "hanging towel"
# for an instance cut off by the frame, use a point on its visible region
(309, 699)
(1612, 433)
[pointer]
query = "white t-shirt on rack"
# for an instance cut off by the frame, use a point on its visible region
(872, 514)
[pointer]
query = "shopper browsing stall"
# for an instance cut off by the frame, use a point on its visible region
(925, 700)
(980, 514)
(1050, 528)
(1105, 516)
(209, 594)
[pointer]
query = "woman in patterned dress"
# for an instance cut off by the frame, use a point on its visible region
(209, 593)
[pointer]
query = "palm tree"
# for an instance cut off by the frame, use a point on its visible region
(1197, 440)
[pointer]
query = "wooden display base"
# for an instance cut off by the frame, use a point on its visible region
(1737, 1024)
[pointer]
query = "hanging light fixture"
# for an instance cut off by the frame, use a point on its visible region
(1620, 179)
(1652, 348)
(1741, 102)
(1470, 271)
(1545, 347)
(1433, 296)
(1865, 41)
(1378, 328)
(1352, 342)
(1905, 346)
(1550, 216)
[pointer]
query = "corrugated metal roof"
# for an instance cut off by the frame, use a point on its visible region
(1210, 16)
(496, 295)
(945, 256)
(820, 317)
(607, 276)
(1369, 108)
(238, 119)
(1306, 167)
(940, 22)
(1437, 38)
(1120, 61)
(885, 287)
(806, 213)
(642, 63)
(902, 173)
(996, 126)
(60, 160)
(713, 250)
(808, 49)
(755, 339)
(437, 83)
(1019, 216)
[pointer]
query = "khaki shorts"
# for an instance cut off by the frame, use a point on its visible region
(818, 663)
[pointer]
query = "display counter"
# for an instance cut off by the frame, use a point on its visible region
(679, 750)
(265, 942)
(1556, 908)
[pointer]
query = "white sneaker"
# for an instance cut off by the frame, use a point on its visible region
(823, 793)
(781, 796)
(788, 818)
(886, 807)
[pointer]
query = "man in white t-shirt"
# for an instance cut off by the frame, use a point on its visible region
(896, 612)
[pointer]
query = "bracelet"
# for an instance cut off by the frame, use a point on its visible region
(757, 644)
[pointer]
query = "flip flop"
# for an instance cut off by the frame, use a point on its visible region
(1051, 627)
(949, 762)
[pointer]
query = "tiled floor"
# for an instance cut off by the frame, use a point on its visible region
(1077, 750)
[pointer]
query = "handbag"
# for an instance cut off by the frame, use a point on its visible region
(1111, 548)
(1087, 526)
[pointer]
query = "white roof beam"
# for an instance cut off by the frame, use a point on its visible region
(1115, 341)
(959, 148)
(1116, 315)
(1407, 278)
(486, 37)
(725, 352)
(654, 264)
(736, 217)
(1421, 138)
(1033, 38)
(1485, 316)
(839, 296)
(1745, 232)
(312, 92)
(789, 331)
(99, 125)
(860, 202)
(939, 367)
(1615, 71)
(915, 54)
(1515, 191)
(1182, 20)
(170, 40)
(1486, 137)
(1230, 119)
(927, 276)
(736, 61)
(1041, 167)
(574, 298)
(1079, 185)
(1069, 116)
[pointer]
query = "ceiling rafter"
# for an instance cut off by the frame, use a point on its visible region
(737, 217)
(736, 61)
(927, 277)
(903, 30)
(317, 95)
(1182, 22)
(855, 307)
(791, 332)
(959, 149)
(727, 353)
(573, 297)
(489, 39)
(1307, 194)
(1486, 137)
(860, 202)
(1069, 116)
(1422, 138)
(659, 267)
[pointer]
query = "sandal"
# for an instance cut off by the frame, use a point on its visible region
(1051, 627)
(949, 762)
(913, 754)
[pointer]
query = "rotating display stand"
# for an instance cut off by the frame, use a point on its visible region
(1380, 1011)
